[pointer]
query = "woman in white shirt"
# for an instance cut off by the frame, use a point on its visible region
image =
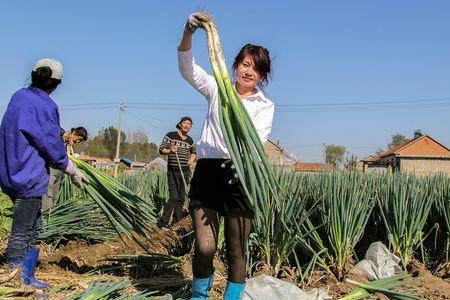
(211, 196)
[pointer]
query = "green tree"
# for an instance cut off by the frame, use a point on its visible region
(143, 152)
(334, 154)
(397, 139)
(135, 145)
(103, 144)
(109, 140)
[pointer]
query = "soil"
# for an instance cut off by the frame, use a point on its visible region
(431, 287)
(65, 270)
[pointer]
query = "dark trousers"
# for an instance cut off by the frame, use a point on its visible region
(26, 226)
(177, 195)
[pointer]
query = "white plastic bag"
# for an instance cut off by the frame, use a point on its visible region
(379, 262)
(265, 287)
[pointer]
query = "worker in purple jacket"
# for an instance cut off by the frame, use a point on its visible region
(30, 142)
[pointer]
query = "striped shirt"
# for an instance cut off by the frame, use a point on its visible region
(184, 149)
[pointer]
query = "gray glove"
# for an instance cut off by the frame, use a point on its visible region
(192, 23)
(77, 179)
(75, 175)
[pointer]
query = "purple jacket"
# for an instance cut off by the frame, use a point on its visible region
(29, 142)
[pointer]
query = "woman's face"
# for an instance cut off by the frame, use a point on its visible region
(75, 139)
(246, 74)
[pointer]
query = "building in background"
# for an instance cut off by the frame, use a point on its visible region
(422, 156)
(279, 157)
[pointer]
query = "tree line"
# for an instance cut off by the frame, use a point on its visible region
(134, 145)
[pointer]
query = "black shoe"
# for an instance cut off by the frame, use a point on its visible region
(163, 225)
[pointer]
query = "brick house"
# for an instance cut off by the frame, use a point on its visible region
(278, 157)
(422, 155)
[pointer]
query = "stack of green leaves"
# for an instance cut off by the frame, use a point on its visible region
(383, 286)
(111, 290)
(129, 214)
(75, 219)
(155, 259)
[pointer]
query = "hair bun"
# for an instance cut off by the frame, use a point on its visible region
(44, 72)
(42, 78)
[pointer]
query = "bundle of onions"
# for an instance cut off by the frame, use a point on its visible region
(128, 214)
(242, 140)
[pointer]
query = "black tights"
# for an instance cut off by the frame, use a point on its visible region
(206, 229)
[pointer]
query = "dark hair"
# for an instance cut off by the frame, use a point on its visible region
(261, 61)
(81, 132)
(42, 79)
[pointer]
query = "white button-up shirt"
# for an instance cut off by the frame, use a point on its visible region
(212, 143)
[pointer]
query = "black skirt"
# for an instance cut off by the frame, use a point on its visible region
(210, 188)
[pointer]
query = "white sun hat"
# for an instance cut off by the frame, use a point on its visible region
(53, 64)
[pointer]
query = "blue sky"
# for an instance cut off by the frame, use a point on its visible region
(324, 53)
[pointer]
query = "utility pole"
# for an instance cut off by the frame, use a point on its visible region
(119, 131)
(324, 153)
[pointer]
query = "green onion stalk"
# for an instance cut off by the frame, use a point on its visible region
(384, 286)
(75, 219)
(441, 211)
(128, 214)
(152, 260)
(150, 186)
(345, 203)
(277, 236)
(404, 205)
(111, 290)
(242, 140)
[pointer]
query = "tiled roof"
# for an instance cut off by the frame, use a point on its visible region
(393, 150)
(424, 146)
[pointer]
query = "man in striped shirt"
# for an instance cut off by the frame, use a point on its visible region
(180, 148)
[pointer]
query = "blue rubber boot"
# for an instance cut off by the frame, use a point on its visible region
(30, 267)
(201, 287)
(234, 291)
(19, 264)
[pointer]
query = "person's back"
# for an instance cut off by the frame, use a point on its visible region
(23, 171)
(30, 142)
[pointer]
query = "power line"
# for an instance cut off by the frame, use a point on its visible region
(143, 119)
(88, 108)
(427, 100)
(166, 104)
(361, 108)
(280, 108)
(153, 117)
(88, 103)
